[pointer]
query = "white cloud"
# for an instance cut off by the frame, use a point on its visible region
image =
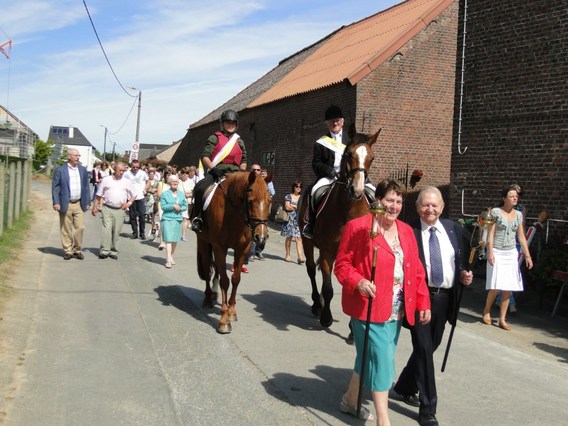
(187, 57)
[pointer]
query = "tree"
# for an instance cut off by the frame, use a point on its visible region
(43, 150)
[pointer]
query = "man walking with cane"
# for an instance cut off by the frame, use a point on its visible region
(439, 245)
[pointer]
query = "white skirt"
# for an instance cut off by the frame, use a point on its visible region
(505, 274)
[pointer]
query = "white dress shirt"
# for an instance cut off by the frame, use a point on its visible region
(446, 249)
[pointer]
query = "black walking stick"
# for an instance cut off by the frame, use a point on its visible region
(366, 340)
(484, 223)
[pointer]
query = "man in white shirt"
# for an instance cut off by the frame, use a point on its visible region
(439, 245)
(118, 195)
(137, 210)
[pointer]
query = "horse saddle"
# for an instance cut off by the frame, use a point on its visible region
(321, 195)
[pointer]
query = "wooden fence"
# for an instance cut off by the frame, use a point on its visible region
(15, 182)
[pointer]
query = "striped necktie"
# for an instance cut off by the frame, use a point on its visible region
(436, 268)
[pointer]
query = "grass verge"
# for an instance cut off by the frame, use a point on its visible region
(11, 243)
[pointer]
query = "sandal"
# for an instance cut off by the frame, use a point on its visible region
(364, 414)
(168, 265)
(287, 259)
(300, 261)
(486, 319)
(504, 325)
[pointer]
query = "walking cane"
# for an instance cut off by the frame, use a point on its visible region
(366, 340)
(484, 224)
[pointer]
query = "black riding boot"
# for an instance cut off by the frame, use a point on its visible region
(308, 231)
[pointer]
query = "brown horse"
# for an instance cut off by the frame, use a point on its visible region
(346, 201)
(238, 212)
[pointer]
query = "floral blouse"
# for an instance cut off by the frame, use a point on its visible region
(398, 288)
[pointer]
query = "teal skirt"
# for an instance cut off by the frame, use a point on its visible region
(380, 360)
(171, 230)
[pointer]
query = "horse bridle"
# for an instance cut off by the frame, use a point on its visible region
(349, 173)
(248, 219)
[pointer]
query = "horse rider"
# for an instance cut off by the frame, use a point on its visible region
(223, 153)
(328, 151)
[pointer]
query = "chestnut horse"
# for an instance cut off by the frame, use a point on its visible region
(238, 212)
(346, 201)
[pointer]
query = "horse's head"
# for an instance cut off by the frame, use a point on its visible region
(356, 161)
(257, 206)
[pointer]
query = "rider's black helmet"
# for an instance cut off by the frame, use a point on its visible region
(230, 115)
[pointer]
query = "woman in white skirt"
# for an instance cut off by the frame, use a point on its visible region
(503, 271)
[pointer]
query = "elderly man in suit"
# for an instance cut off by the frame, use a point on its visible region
(439, 245)
(70, 195)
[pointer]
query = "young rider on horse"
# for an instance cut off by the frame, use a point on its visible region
(224, 153)
(326, 160)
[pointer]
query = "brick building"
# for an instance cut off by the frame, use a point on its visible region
(514, 125)
(394, 70)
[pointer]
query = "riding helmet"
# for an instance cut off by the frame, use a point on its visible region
(230, 115)
(333, 112)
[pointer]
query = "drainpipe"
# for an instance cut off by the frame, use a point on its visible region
(462, 80)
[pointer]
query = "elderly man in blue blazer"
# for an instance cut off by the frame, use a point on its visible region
(70, 195)
(439, 247)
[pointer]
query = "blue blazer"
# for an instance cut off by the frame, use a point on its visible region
(60, 191)
(454, 232)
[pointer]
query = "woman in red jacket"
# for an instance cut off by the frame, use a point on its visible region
(399, 290)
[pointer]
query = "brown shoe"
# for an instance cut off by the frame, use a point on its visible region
(79, 255)
(486, 319)
(68, 256)
(504, 325)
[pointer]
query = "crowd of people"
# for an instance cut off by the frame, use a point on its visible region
(418, 284)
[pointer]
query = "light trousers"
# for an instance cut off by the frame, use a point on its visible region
(71, 226)
(113, 219)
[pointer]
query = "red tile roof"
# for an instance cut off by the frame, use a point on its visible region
(356, 50)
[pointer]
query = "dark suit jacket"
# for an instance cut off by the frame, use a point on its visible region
(455, 234)
(322, 161)
(60, 191)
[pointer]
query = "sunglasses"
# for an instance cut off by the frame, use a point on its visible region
(255, 170)
(297, 186)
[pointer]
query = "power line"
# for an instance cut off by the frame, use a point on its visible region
(126, 119)
(104, 53)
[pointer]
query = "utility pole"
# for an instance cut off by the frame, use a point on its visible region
(136, 144)
(105, 143)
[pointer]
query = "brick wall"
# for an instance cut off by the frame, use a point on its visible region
(410, 97)
(515, 115)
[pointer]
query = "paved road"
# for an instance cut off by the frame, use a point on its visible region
(104, 342)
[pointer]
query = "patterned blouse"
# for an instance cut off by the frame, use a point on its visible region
(397, 287)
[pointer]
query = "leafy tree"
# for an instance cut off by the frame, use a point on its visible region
(43, 150)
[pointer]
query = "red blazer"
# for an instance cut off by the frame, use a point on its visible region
(354, 261)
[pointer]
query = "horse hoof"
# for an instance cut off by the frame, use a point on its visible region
(224, 328)
(326, 322)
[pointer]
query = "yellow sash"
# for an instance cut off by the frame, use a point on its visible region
(332, 144)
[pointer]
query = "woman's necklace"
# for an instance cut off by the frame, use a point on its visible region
(391, 233)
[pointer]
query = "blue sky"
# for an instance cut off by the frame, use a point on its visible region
(187, 57)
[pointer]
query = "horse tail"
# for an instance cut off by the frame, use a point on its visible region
(204, 260)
